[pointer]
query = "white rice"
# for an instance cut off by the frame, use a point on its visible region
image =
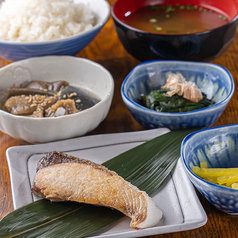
(43, 20)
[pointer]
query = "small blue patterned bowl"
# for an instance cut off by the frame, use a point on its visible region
(218, 147)
(212, 79)
(14, 51)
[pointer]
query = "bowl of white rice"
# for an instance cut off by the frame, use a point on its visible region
(41, 27)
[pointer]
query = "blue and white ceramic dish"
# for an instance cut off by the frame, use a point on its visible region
(217, 146)
(214, 80)
(14, 51)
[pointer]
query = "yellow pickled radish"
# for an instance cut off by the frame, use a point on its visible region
(228, 179)
(203, 164)
(211, 179)
(222, 176)
(217, 171)
(233, 178)
(195, 169)
(234, 185)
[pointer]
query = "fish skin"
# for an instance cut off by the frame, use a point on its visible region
(62, 177)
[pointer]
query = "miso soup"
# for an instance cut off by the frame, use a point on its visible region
(174, 19)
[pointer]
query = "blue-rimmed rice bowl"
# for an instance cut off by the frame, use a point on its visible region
(14, 51)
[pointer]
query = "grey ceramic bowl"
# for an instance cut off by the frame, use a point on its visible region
(79, 72)
(218, 147)
(210, 78)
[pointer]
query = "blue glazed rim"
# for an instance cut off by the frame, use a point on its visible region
(176, 114)
(183, 144)
(95, 28)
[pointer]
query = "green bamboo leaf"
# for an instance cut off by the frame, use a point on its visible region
(146, 166)
(62, 219)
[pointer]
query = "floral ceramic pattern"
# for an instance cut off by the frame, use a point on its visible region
(212, 79)
(218, 146)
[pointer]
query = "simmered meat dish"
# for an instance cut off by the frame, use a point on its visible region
(47, 99)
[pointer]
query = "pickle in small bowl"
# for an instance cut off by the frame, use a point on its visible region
(210, 158)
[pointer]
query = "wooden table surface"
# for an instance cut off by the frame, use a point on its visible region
(107, 50)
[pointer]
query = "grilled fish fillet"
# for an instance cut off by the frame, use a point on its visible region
(62, 177)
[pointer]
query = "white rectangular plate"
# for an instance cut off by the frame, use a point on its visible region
(176, 197)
